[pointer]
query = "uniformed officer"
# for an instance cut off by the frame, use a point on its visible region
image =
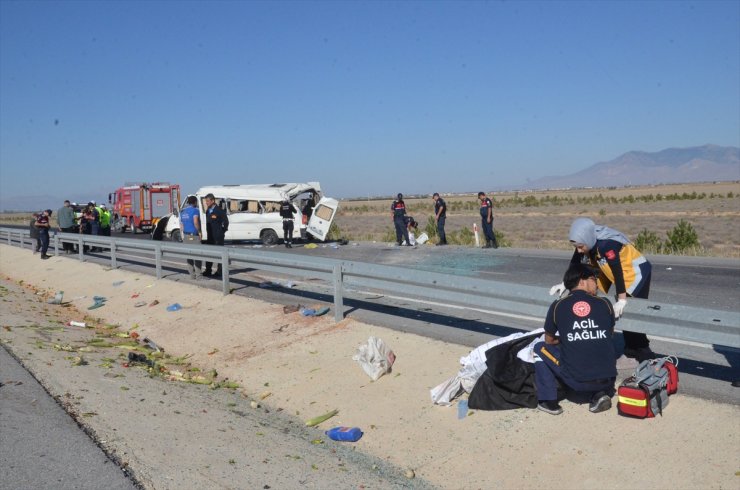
(42, 225)
(440, 214)
(287, 212)
(217, 223)
(486, 219)
(398, 213)
(581, 355)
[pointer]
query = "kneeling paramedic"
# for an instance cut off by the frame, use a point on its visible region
(582, 354)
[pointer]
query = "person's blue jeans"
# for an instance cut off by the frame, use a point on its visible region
(547, 372)
(402, 233)
(44, 240)
(488, 229)
(441, 229)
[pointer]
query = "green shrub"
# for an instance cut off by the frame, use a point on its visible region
(682, 238)
(501, 240)
(334, 232)
(431, 227)
(648, 242)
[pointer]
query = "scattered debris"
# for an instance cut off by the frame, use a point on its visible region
(462, 408)
(275, 285)
(321, 418)
(134, 358)
(78, 361)
(291, 308)
(139, 304)
(375, 357)
(346, 434)
(98, 302)
(311, 245)
(154, 303)
(410, 474)
(149, 343)
(73, 323)
(254, 404)
(174, 307)
(57, 299)
(280, 329)
(313, 312)
(117, 283)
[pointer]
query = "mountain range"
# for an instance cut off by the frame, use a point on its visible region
(708, 163)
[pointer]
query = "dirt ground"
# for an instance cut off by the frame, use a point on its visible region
(302, 367)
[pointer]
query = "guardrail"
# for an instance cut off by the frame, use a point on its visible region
(701, 325)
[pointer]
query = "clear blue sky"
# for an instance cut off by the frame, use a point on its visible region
(369, 98)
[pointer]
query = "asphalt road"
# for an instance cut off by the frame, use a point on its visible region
(42, 447)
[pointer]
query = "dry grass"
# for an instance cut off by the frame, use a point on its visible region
(714, 219)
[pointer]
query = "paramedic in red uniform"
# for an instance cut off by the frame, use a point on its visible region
(398, 213)
(620, 263)
(581, 355)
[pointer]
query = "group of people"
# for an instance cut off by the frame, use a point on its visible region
(578, 348)
(216, 225)
(400, 221)
(93, 220)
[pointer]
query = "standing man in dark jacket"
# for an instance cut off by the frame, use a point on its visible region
(398, 213)
(581, 355)
(440, 214)
(216, 225)
(287, 212)
(486, 219)
(66, 223)
(34, 233)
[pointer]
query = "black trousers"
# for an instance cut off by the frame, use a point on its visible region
(402, 233)
(44, 240)
(288, 230)
(66, 245)
(635, 340)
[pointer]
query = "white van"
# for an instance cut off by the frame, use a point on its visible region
(254, 211)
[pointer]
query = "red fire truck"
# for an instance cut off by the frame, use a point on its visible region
(138, 206)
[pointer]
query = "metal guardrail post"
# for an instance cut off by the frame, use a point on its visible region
(225, 272)
(9, 238)
(338, 293)
(23, 243)
(81, 248)
(56, 244)
(158, 259)
(113, 261)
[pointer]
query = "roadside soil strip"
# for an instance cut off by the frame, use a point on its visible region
(177, 434)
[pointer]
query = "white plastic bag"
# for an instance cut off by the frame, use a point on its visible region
(422, 239)
(375, 357)
(445, 392)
